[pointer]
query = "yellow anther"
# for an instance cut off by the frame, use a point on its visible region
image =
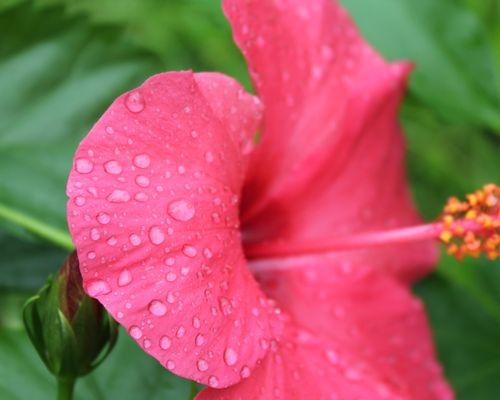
(472, 227)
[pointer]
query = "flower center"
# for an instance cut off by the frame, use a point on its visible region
(470, 227)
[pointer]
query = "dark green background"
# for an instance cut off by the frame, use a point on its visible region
(63, 61)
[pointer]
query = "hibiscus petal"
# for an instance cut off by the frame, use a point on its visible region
(330, 132)
(153, 211)
(367, 314)
(301, 366)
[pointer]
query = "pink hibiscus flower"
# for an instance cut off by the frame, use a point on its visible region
(270, 272)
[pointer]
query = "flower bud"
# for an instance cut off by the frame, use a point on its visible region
(71, 332)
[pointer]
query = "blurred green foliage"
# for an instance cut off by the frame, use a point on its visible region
(63, 61)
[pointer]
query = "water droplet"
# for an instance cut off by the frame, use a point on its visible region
(209, 157)
(110, 130)
(207, 253)
(80, 201)
(135, 332)
(103, 218)
(91, 255)
(112, 241)
(181, 169)
(189, 251)
(332, 357)
(156, 235)
(199, 340)
(146, 343)
(245, 372)
(230, 356)
(142, 161)
(202, 365)
(264, 344)
(165, 342)
(156, 307)
(142, 181)
(98, 287)
(213, 381)
(196, 322)
(94, 234)
(181, 210)
(113, 167)
(180, 332)
(125, 277)
(171, 276)
(141, 197)
(134, 102)
(83, 165)
(119, 196)
(134, 239)
(170, 365)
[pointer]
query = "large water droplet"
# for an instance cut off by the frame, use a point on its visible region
(119, 196)
(156, 307)
(113, 167)
(230, 356)
(125, 277)
(134, 102)
(142, 161)
(181, 210)
(98, 287)
(202, 365)
(135, 332)
(156, 235)
(83, 165)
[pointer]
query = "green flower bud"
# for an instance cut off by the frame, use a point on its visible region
(71, 332)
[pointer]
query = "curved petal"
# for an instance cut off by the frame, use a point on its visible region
(367, 314)
(330, 135)
(301, 366)
(153, 211)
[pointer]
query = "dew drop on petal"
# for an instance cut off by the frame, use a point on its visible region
(199, 340)
(156, 307)
(125, 277)
(170, 365)
(165, 342)
(98, 287)
(180, 332)
(245, 372)
(142, 181)
(83, 165)
(171, 276)
(142, 161)
(202, 365)
(103, 218)
(156, 235)
(189, 251)
(113, 167)
(119, 196)
(213, 381)
(146, 343)
(181, 210)
(134, 102)
(91, 255)
(80, 201)
(135, 332)
(230, 356)
(209, 157)
(112, 241)
(134, 239)
(94, 234)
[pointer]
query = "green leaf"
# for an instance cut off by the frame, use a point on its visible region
(25, 264)
(128, 374)
(57, 74)
(463, 301)
(455, 69)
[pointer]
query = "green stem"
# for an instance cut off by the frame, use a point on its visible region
(39, 228)
(65, 388)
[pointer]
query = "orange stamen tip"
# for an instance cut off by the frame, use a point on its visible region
(472, 227)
